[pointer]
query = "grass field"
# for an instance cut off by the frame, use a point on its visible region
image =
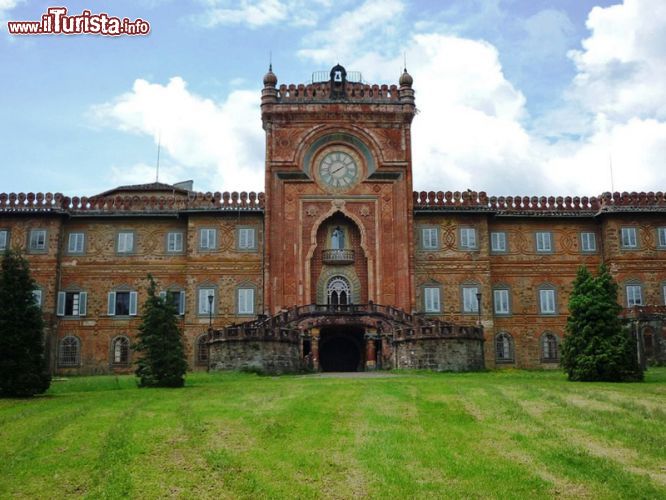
(497, 434)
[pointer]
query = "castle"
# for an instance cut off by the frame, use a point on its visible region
(339, 265)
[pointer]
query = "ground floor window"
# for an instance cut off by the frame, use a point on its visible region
(549, 348)
(69, 353)
(503, 348)
(202, 350)
(120, 351)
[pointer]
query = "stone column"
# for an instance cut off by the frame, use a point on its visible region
(314, 348)
(370, 350)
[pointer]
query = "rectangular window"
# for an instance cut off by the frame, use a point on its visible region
(75, 243)
(661, 236)
(543, 242)
(431, 299)
(470, 302)
(501, 301)
(468, 237)
(246, 301)
(125, 242)
(498, 242)
(629, 237)
(429, 238)
(175, 242)
(72, 303)
(246, 238)
(37, 240)
(206, 306)
(547, 301)
(37, 297)
(123, 303)
(588, 242)
(207, 239)
(4, 239)
(634, 295)
(177, 298)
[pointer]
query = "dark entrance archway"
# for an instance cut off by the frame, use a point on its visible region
(341, 349)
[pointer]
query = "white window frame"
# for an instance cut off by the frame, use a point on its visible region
(35, 243)
(37, 296)
(429, 238)
(175, 241)
(628, 237)
(498, 241)
(125, 242)
(80, 306)
(245, 301)
(547, 298)
(588, 241)
(501, 301)
(507, 348)
(544, 242)
(468, 239)
(432, 302)
(207, 238)
(180, 310)
(661, 237)
(76, 243)
(634, 293)
(133, 303)
(470, 304)
(202, 301)
(4, 239)
(247, 238)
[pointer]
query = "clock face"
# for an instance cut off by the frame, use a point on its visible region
(338, 170)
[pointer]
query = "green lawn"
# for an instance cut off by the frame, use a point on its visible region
(497, 434)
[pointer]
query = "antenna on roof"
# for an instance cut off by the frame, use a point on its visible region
(157, 167)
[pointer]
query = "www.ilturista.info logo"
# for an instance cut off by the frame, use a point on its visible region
(57, 22)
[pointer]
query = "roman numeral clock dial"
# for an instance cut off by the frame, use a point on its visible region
(338, 170)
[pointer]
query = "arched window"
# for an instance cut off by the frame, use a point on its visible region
(338, 291)
(503, 348)
(69, 352)
(202, 350)
(549, 347)
(120, 349)
(338, 239)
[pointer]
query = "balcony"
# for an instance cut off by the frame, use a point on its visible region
(338, 257)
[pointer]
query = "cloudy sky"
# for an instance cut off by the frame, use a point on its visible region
(514, 96)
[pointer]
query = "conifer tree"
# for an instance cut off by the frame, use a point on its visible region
(598, 345)
(162, 362)
(23, 369)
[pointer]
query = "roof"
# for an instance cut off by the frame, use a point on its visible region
(150, 187)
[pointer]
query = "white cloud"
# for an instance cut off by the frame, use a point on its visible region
(258, 13)
(218, 144)
(6, 6)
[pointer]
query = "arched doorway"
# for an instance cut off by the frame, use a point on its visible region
(341, 349)
(338, 291)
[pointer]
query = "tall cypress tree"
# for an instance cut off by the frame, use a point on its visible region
(23, 370)
(160, 342)
(598, 345)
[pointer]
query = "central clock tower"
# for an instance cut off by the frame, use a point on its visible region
(339, 223)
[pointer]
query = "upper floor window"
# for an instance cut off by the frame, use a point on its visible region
(4, 239)
(661, 236)
(634, 295)
(245, 301)
(501, 301)
(547, 301)
(177, 298)
(72, 304)
(206, 301)
(122, 303)
(588, 242)
(75, 243)
(69, 351)
(467, 237)
(247, 238)
(429, 238)
(37, 241)
(431, 299)
(549, 347)
(207, 237)
(503, 348)
(544, 241)
(470, 302)
(498, 242)
(174, 242)
(125, 242)
(629, 237)
(37, 297)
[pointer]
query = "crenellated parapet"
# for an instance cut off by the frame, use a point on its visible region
(538, 205)
(58, 203)
(359, 92)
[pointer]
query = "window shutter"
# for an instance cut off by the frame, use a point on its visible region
(112, 304)
(83, 303)
(250, 238)
(203, 301)
(211, 239)
(60, 310)
(181, 304)
(132, 304)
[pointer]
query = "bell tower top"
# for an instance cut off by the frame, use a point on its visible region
(338, 82)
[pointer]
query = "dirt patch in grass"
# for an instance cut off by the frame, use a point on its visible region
(590, 404)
